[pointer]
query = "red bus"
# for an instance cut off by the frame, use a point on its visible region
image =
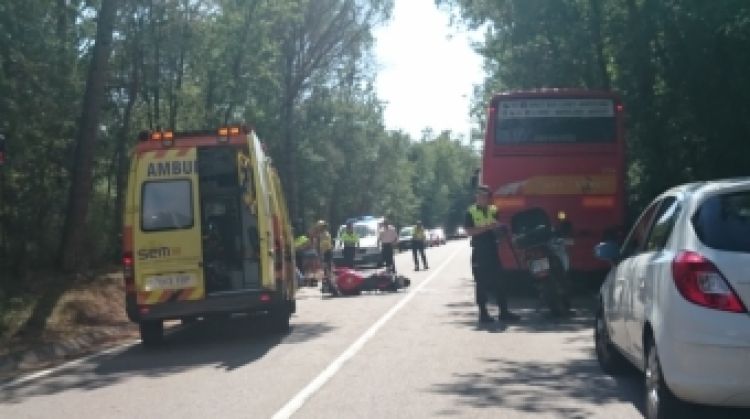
(562, 150)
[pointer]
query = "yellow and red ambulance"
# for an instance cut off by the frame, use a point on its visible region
(206, 231)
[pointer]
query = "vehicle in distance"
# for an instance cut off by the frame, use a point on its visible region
(437, 236)
(405, 236)
(369, 251)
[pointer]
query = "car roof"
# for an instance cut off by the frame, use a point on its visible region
(710, 187)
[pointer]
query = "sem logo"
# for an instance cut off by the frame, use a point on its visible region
(158, 253)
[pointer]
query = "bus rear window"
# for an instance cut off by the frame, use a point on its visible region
(167, 205)
(547, 121)
(723, 222)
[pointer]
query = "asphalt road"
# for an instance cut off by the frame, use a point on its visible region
(418, 353)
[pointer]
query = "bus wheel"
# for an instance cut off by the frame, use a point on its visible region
(152, 332)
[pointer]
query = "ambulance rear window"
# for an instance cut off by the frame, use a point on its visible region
(167, 205)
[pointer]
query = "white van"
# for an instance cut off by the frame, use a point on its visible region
(369, 252)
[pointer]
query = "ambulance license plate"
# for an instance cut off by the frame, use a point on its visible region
(539, 265)
(170, 282)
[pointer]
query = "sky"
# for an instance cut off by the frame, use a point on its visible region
(427, 70)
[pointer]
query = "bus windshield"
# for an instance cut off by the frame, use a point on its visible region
(561, 120)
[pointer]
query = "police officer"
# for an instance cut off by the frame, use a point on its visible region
(481, 224)
(350, 240)
(418, 240)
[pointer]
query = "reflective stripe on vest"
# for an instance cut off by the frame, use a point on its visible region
(480, 218)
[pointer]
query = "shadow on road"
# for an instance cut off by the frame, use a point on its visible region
(552, 388)
(225, 346)
(534, 316)
(541, 387)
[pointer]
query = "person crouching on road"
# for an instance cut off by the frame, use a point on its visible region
(481, 224)
(350, 240)
(419, 239)
(389, 241)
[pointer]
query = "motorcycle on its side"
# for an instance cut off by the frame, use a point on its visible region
(541, 249)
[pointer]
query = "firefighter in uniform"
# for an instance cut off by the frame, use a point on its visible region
(350, 240)
(481, 224)
(418, 241)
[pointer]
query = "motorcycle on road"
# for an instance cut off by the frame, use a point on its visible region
(541, 249)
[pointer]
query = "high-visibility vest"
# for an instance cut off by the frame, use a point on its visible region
(418, 234)
(481, 218)
(325, 241)
(301, 241)
(349, 239)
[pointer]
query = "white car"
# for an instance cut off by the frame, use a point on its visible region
(675, 302)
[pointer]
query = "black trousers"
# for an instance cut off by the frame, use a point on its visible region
(488, 279)
(387, 254)
(349, 256)
(418, 246)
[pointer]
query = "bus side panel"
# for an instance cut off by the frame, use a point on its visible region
(166, 225)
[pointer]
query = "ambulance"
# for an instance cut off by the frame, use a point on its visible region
(206, 231)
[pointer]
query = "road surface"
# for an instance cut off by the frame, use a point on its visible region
(415, 354)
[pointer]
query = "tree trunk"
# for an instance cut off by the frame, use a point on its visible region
(71, 251)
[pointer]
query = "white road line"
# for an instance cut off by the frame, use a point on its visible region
(74, 363)
(300, 398)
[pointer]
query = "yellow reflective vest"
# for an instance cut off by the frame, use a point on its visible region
(418, 234)
(480, 218)
(349, 239)
(325, 241)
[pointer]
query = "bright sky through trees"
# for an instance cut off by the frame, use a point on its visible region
(427, 70)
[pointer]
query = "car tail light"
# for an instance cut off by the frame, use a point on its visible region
(701, 283)
(127, 268)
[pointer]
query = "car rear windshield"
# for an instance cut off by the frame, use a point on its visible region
(406, 231)
(723, 222)
(167, 205)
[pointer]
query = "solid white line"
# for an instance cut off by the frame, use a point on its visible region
(299, 400)
(74, 363)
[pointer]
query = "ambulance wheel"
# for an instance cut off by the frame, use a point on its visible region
(278, 318)
(152, 332)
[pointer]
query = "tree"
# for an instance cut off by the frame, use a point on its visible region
(88, 127)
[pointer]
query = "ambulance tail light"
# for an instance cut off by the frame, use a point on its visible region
(128, 272)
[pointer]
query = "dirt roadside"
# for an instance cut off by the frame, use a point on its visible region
(88, 318)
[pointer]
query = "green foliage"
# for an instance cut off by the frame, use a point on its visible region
(299, 71)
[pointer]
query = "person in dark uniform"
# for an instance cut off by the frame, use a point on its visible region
(481, 224)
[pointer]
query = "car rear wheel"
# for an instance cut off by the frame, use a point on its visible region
(660, 402)
(152, 332)
(610, 359)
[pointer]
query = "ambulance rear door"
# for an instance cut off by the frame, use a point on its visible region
(167, 231)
